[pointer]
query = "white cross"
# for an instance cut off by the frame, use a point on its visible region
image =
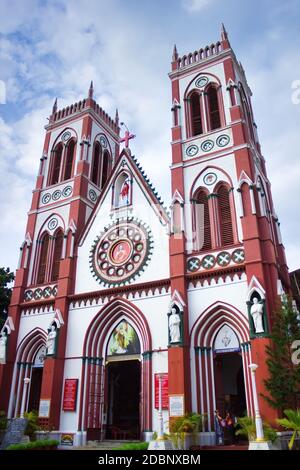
(208, 261)
(224, 259)
(193, 264)
(239, 256)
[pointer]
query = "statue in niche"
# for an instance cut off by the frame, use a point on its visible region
(124, 195)
(174, 326)
(51, 341)
(257, 312)
(3, 341)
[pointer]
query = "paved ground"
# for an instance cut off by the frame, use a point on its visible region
(104, 445)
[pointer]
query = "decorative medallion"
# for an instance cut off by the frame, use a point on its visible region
(208, 262)
(223, 140)
(193, 264)
(67, 191)
(223, 258)
(192, 150)
(207, 145)
(52, 224)
(238, 256)
(47, 292)
(92, 195)
(54, 291)
(121, 252)
(66, 136)
(38, 294)
(56, 195)
(46, 198)
(103, 141)
(201, 82)
(209, 179)
(28, 295)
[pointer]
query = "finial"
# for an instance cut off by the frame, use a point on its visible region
(54, 109)
(224, 34)
(175, 53)
(117, 117)
(91, 90)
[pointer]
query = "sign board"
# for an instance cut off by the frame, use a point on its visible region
(44, 409)
(164, 391)
(15, 432)
(176, 405)
(70, 394)
(67, 439)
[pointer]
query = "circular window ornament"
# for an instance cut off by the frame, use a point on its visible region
(66, 136)
(46, 198)
(67, 191)
(223, 140)
(201, 82)
(56, 195)
(92, 195)
(207, 145)
(121, 252)
(192, 150)
(209, 179)
(52, 224)
(208, 262)
(223, 258)
(103, 142)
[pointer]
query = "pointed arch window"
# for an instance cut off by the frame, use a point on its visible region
(41, 275)
(196, 121)
(56, 164)
(213, 108)
(69, 160)
(96, 163)
(105, 168)
(225, 216)
(57, 252)
(203, 227)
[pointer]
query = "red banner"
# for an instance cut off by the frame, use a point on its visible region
(70, 394)
(164, 391)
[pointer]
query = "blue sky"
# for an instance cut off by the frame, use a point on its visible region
(54, 48)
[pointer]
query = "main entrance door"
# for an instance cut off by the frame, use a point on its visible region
(124, 382)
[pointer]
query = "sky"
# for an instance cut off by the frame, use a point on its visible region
(54, 48)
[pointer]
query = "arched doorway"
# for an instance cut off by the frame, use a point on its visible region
(228, 373)
(123, 381)
(36, 380)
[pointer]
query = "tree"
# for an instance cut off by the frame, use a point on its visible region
(6, 278)
(291, 422)
(284, 375)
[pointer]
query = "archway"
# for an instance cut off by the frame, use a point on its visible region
(228, 373)
(123, 382)
(36, 378)
(98, 392)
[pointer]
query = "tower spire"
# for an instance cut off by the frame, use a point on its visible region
(224, 35)
(117, 117)
(175, 53)
(54, 109)
(91, 90)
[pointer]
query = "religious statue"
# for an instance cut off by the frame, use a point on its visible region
(3, 341)
(51, 341)
(174, 326)
(257, 311)
(124, 193)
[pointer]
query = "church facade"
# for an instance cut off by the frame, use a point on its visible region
(118, 301)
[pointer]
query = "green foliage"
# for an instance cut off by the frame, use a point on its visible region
(32, 424)
(284, 376)
(6, 278)
(3, 421)
(133, 446)
(42, 444)
(291, 422)
(246, 428)
(189, 423)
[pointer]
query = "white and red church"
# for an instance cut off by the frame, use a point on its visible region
(113, 291)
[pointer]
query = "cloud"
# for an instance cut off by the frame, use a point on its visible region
(192, 6)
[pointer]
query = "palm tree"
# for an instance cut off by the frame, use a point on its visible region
(292, 422)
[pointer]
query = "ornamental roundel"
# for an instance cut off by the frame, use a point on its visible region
(121, 252)
(193, 264)
(209, 179)
(208, 262)
(207, 145)
(223, 258)
(192, 150)
(238, 256)
(103, 141)
(201, 82)
(223, 140)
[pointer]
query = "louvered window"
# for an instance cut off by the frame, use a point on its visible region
(225, 216)
(105, 167)
(58, 243)
(96, 164)
(69, 160)
(213, 107)
(196, 124)
(43, 259)
(203, 222)
(57, 154)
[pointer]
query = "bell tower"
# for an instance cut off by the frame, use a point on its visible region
(223, 218)
(80, 148)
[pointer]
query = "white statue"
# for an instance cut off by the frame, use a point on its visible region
(174, 326)
(257, 315)
(51, 339)
(3, 341)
